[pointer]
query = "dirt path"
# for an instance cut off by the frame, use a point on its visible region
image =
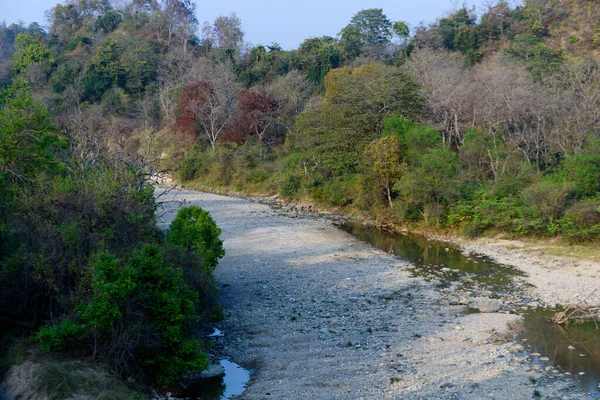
(317, 314)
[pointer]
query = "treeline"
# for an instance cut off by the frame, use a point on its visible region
(477, 122)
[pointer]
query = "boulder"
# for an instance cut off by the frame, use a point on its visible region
(213, 371)
(485, 305)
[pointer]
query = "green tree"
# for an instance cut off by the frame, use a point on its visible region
(371, 26)
(30, 51)
(383, 163)
(354, 109)
(194, 229)
(103, 70)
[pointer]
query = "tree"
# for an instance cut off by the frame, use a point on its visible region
(257, 116)
(194, 229)
(208, 105)
(355, 106)
(204, 109)
(30, 51)
(291, 92)
(382, 161)
(228, 34)
(430, 185)
(318, 56)
(401, 29)
(371, 26)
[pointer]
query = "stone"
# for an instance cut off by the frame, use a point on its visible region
(489, 305)
(213, 371)
(447, 385)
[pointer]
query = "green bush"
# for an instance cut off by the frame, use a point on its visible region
(55, 337)
(192, 167)
(581, 222)
(338, 191)
(544, 203)
(291, 186)
(194, 229)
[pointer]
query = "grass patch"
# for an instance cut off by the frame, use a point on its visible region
(60, 380)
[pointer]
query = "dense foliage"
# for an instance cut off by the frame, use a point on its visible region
(82, 262)
(503, 106)
(475, 124)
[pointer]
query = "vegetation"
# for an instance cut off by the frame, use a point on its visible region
(83, 264)
(475, 124)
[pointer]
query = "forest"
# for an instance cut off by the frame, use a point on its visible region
(484, 122)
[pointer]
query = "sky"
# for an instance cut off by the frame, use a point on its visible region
(285, 22)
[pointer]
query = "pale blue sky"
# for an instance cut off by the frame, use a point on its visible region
(286, 22)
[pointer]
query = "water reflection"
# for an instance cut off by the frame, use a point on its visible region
(232, 384)
(553, 341)
(446, 263)
(439, 260)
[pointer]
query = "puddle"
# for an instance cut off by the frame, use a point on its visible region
(232, 384)
(447, 264)
(438, 260)
(553, 341)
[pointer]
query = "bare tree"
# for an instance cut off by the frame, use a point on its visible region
(291, 92)
(211, 99)
(228, 33)
(447, 86)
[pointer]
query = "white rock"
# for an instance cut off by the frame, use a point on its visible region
(488, 305)
(213, 371)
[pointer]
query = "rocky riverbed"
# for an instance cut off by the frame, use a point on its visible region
(315, 313)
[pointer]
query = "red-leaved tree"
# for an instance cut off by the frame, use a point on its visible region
(204, 110)
(257, 118)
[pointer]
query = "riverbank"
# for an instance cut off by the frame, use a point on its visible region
(561, 274)
(316, 313)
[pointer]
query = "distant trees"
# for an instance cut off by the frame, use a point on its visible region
(355, 105)
(208, 106)
(29, 52)
(369, 27)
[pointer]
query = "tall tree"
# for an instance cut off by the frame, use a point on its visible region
(228, 33)
(368, 27)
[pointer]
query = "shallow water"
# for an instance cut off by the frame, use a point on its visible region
(553, 341)
(438, 260)
(232, 384)
(447, 264)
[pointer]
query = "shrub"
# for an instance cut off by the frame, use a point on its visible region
(291, 186)
(581, 222)
(54, 337)
(194, 229)
(545, 202)
(191, 167)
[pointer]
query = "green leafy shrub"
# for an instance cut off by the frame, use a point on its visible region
(194, 229)
(191, 167)
(544, 203)
(55, 337)
(581, 222)
(291, 186)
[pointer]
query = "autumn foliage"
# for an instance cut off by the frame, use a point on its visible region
(193, 96)
(257, 113)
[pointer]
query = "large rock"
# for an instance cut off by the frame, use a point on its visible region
(213, 371)
(486, 305)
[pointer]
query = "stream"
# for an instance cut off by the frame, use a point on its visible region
(573, 351)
